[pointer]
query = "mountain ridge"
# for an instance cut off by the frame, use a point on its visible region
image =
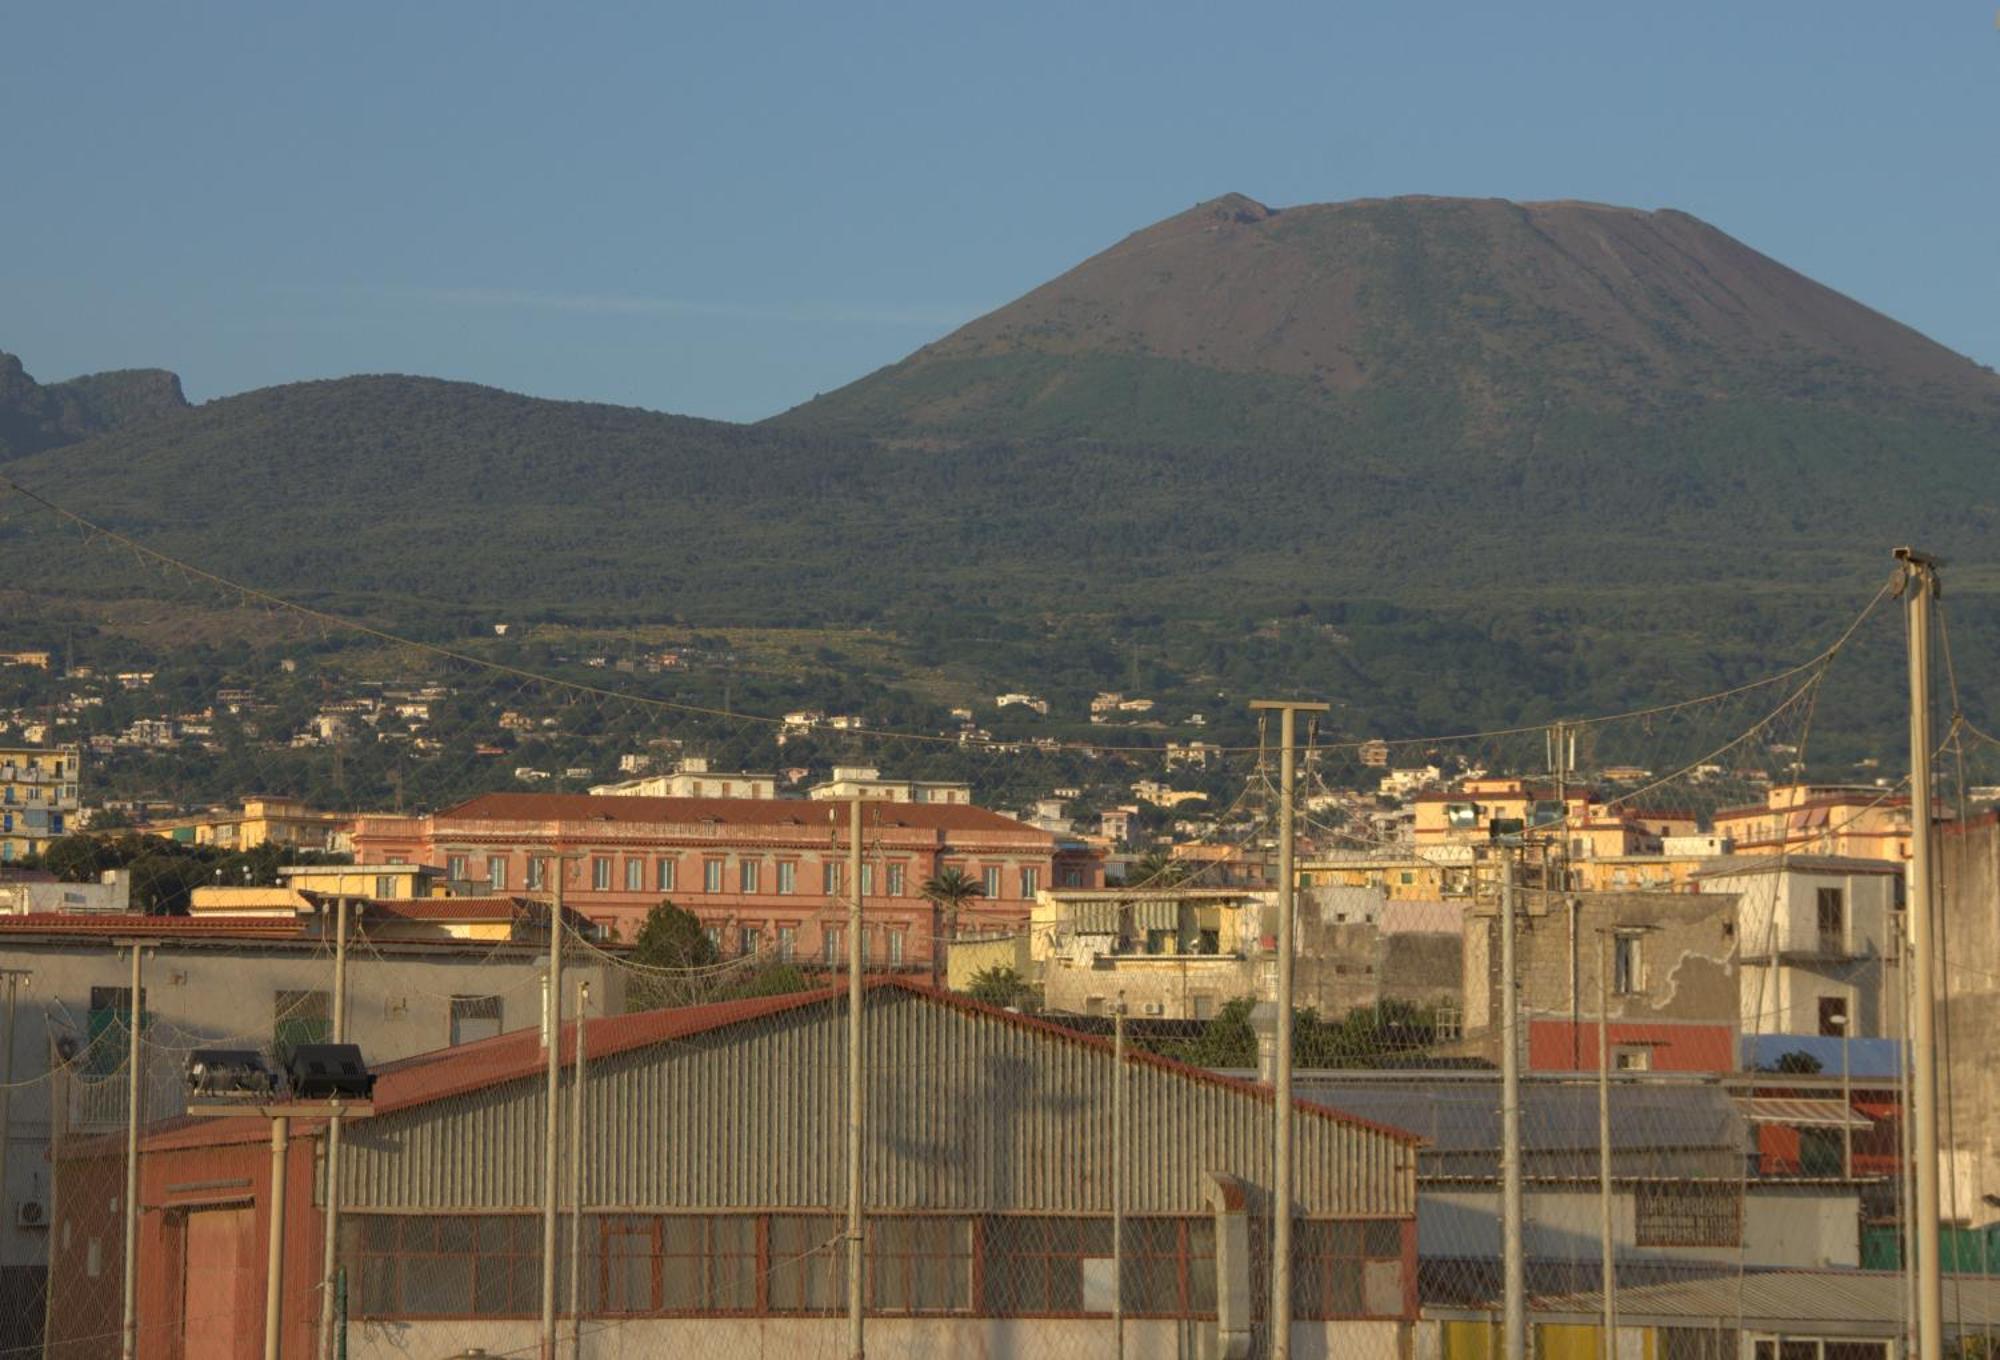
(1650, 452)
(36, 416)
(1603, 306)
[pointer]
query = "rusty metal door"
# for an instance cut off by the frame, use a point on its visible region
(222, 1286)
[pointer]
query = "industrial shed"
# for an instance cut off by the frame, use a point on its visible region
(713, 1171)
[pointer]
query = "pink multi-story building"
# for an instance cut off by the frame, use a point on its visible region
(764, 875)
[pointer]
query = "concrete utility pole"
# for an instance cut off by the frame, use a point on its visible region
(1920, 587)
(1281, 1077)
(129, 1329)
(1562, 741)
(1609, 1250)
(1846, 1092)
(576, 1178)
(552, 1121)
(1514, 1276)
(274, 1243)
(330, 1245)
(1117, 1165)
(856, 1347)
(15, 977)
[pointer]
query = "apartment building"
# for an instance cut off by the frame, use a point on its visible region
(289, 823)
(1818, 942)
(1855, 821)
(38, 797)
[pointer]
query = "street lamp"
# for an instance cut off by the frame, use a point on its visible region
(235, 1083)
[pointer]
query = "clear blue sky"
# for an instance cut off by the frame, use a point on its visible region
(721, 209)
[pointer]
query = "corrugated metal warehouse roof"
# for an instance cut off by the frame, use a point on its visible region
(743, 1103)
(1683, 1129)
(1855, 1302)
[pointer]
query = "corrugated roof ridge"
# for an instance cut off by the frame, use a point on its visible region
(519, 1054)
(1256, 1090)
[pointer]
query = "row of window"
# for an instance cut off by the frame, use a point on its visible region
(880, 945)
(32, 793)
(608, 873)
(638, 1265)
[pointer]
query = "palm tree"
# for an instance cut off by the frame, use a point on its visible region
(948, 890)
(1157, 868)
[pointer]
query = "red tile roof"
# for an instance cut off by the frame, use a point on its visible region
(150, 927)
(450, 1072)
(584, 807)
(457, 909)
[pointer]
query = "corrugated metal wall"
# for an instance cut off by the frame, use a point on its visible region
(965, 1113)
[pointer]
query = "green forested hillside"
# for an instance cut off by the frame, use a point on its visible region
(1514, 456)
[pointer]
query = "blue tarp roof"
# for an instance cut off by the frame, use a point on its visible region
(1868, 1058)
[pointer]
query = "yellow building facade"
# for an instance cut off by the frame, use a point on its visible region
(38, 797)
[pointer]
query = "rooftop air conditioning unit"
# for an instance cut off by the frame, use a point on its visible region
(1153, 1008)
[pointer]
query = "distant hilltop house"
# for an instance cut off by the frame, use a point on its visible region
(39, 660)
(865, 781)
(1038, 704)
(1192, 754)
(1374, 753)
(1115, 824)
(693, 779)
(1161, 795)
(1403, 783)
(1624, 774)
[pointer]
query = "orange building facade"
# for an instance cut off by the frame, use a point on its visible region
(765, 876)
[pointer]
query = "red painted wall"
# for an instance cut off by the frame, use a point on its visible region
(1559, 1046)
(173, 1184)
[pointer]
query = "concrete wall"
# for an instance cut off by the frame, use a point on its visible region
(1182, 986)
(888, 1338)
(1969, 1017)
(1803, 1226)
(1349, 966)
(1688, 952)
(1778, 924)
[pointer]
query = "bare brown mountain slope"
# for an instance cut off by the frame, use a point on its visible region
(1604, 307)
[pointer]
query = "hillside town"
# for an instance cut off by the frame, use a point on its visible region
(1737, 976)
(1026, 682)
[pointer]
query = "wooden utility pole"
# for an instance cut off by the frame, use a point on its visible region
(1281, 1076)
